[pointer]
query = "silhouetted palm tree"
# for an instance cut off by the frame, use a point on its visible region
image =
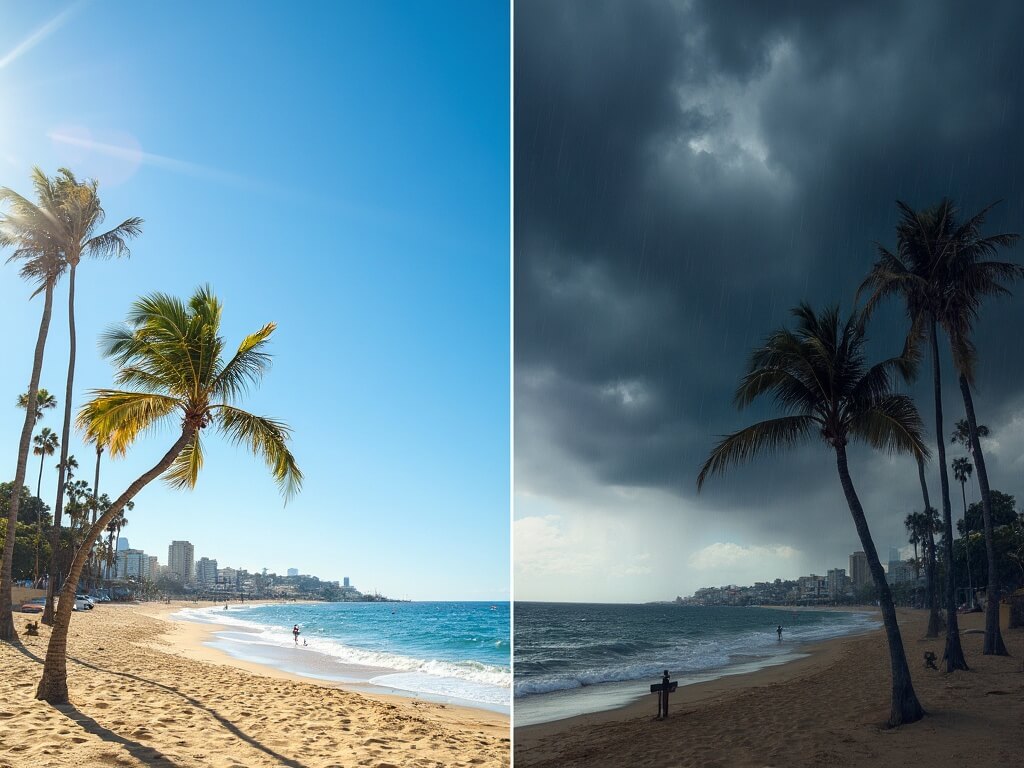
(29, 228)
(172, 355)
(44, 444)
(915, 274)
(818, 377)
(971, 277)
(962, 469)
(931, 569)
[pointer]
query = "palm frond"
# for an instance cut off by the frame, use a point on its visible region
(891, 424)
(764, 437)
(248, 366)
(184, 472)
(115, 418)
(266, 438)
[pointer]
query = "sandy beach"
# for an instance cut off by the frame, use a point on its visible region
(145, 691)
(827, 709)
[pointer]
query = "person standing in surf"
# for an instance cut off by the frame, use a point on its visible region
(295, 633)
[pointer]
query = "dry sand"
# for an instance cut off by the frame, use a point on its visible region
(145, 692)
(828, 709)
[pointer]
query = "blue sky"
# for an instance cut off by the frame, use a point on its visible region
(343, 171)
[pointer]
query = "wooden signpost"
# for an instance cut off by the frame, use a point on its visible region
(663, 689)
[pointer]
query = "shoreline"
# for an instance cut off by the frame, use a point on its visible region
(827, 708)
(200, 640)
(615, 699)
(144, 691)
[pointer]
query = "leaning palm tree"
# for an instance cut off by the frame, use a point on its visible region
(962, 470)
(915, 274)
(44, 444)
(170, 357)
(78, 236)
(913, 523)
(29, 228)
(44, 402)
(819, 378)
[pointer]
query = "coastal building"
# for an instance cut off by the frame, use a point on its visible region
(206, 571)
(132, 564)
(154, 567)
(900, 572)
(346, 582)
(122, 543)
(228, 576)
(181, 560)
(293, 571)
(838, 583)
(859, 573)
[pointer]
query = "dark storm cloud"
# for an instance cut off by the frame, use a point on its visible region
(687, 172)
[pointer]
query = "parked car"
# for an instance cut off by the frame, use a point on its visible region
(89, 602)
(33, 607)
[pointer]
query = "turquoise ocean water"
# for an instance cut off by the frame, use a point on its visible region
(449, 651)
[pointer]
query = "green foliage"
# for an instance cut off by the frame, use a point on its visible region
(1004, 512)
(26, 540)
(29, 507)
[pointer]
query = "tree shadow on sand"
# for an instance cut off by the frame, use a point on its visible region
(149, 755)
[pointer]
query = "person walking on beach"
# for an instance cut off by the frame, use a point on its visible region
(295, 633)
(779, 630)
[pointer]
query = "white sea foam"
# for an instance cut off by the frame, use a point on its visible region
(474, 680)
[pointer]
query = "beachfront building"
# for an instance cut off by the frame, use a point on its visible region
(346, 584)
(838, 583)
(206, 571)
(132, 564)
(859, 573)
(154, 568)
(900, 572)
(181, 560)
(293, 571)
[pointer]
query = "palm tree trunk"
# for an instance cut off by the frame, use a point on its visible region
(954, 652)
(904, 708)
(53, 687)
(7, 630)
(931, 592)
(39, 519)
(58, 507)
(95, 510)
(967, 547)
(993, 637)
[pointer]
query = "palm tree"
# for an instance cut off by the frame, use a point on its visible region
(916, 275)
(44, 402)
(913, 523)
(931, 569)
(78, 237)
(962, 469)
(818, 377)
(967, 275)
(28, 228)
(45, 444)
(170, 356)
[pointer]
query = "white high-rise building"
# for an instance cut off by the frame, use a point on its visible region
(206, 571)
(293, 571)
(181, 560)
(132, 564)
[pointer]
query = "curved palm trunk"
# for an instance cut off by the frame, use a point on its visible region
(954, 652)
(53, 687)
(993, 637)
(7, 630)
(931, 591)
(905, 708)
(95, 511)
(58, 507)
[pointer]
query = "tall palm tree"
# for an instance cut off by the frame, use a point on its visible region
(44, 444)
(171, 357)
(964, 272)
(44, 402)
(913, 523)
(819, 378)
(82, 217)
(931, 569)
(915, 273)
(29, 228)
(962, 469)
